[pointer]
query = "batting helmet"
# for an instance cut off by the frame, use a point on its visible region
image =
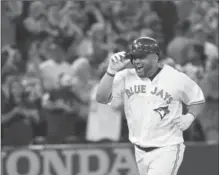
(142, 47)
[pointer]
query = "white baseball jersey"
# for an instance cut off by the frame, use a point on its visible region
(150, 106)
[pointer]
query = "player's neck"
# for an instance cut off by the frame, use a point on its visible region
(154, 72)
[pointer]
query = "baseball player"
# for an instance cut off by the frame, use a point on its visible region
(152, 96)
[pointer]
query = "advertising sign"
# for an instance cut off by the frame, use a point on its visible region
(98, 159)
(75, 160)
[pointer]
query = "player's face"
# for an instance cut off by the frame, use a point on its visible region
(144, 66)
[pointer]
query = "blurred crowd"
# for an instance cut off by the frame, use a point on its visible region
(54, 53)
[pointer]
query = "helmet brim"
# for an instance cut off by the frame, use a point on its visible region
(137, 54)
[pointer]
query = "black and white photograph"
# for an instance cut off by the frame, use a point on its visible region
(109, 87)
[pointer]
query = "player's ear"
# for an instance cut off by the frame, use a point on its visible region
(156, 58)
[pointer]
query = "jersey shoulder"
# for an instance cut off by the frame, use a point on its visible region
(177, 77)
(172, 72)
(125, 73)
(173, 76)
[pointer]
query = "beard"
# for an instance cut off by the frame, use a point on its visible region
(144, 72)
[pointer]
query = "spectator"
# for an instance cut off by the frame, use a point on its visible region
(210, 83)
(17, 119)
(211, 20)
(95, 44)
(54, 14)
(72, 24)
(120, 44)
(54, 66)
(99, 40)
(167, 12)
(195, 65)
(33, 98)
(33, 22)
(63, 106)
(9, 27)
(13, 97)
(176, 49)
(93, 13)
(11, 61)
(35, 58)
(23, 37)
(184, 8)
(200, 34)
(168, 61)
(209, 117)
(86, 66)
(153, 22)
(101, 120)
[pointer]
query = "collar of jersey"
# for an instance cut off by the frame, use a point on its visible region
(154, 76)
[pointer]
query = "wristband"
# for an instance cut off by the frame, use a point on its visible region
(111, 75)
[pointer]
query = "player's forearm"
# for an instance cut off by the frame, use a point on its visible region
(197, 109)
(104, 89)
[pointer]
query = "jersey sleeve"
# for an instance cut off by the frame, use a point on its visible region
(191, 93)
(117, 90)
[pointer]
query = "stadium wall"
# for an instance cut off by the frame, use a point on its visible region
(97, 159)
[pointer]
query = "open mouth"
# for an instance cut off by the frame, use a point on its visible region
(139, 68)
